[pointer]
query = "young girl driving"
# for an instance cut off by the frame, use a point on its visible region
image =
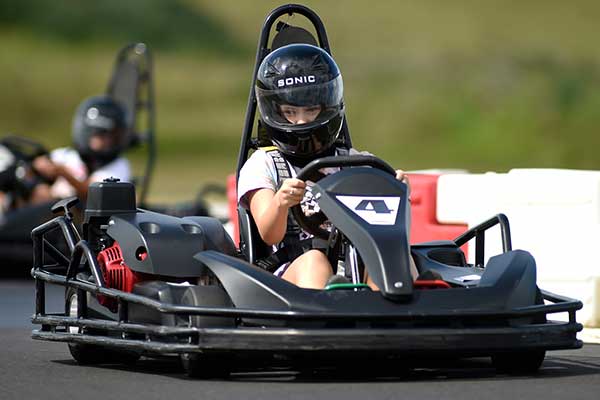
(299, 91)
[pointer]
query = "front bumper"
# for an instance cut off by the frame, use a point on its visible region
(473, 332)
(162, 339)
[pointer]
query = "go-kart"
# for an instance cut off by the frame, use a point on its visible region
(143, 283)
(131, 83)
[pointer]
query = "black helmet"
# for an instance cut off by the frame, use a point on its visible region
(305, 78)
(99, 115)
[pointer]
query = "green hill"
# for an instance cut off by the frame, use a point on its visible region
(486, 85)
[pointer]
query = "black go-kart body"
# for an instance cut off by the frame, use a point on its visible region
(139, 282)
(143, 283)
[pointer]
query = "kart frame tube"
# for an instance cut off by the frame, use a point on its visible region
(561, 304)
(145, 68)
(478, 232)
(483, 341)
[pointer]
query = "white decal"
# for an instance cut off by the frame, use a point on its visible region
(296, 80)
(376, 210)
(468, 278)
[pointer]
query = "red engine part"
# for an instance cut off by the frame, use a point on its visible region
(116, 273)
(431, 284)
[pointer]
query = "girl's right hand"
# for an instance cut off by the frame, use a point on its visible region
(291, 192)
(45, 167)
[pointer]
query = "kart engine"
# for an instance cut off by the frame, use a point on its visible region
(105, 199)
(117, 275)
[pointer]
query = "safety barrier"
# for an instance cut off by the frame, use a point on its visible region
(425, 225)
(554, 214)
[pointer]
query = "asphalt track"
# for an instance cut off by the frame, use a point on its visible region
(42, 370)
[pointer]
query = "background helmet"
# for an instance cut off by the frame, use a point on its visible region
(300, 75)
(99, 115)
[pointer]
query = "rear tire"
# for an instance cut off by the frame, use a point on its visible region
(519, 362)
(86, 354)
(207, 365)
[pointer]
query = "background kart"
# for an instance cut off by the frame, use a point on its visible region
(139, 282)
(132, 84)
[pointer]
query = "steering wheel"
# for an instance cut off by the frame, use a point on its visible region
(23, 151)
(313, 223)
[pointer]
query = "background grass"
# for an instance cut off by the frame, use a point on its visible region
(479, 85)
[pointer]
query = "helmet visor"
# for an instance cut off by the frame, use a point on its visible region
(300, 107)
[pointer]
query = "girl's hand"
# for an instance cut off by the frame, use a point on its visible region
(45, 167)
(401, 176)
(291, 192)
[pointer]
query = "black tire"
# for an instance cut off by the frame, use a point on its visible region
(207, 365)
(522, 362)
(519, 362)
(86, 354)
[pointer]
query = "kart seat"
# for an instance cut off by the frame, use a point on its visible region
(289, 34)
(443, 257)
(251, 244)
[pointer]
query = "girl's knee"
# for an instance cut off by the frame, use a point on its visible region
(317, 260)
(311, 270)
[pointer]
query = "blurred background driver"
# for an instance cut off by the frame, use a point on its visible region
(99, 138)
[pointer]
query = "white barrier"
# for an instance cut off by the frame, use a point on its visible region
(554, 214)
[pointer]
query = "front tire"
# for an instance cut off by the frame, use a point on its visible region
(519, 362)
(522, 362)
(86, 354)
(207, 365)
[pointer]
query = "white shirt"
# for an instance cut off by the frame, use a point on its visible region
(69, 158)
(258, 172)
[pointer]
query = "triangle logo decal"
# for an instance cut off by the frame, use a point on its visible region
(376, 210)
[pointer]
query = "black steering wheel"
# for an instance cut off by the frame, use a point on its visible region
(313, 224)
(24, 151)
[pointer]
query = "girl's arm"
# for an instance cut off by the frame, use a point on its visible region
(270, 209)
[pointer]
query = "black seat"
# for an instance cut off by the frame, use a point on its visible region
(251, 244)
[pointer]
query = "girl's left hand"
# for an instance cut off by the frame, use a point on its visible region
(401, 176)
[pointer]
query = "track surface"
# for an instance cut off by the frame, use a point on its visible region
(42, 370)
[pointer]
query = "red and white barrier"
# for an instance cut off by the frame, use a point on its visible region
(425, 224)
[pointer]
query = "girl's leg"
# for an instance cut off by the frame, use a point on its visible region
(413, 272)
(311, 270)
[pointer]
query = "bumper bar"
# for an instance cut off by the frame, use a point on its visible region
(547, 336)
